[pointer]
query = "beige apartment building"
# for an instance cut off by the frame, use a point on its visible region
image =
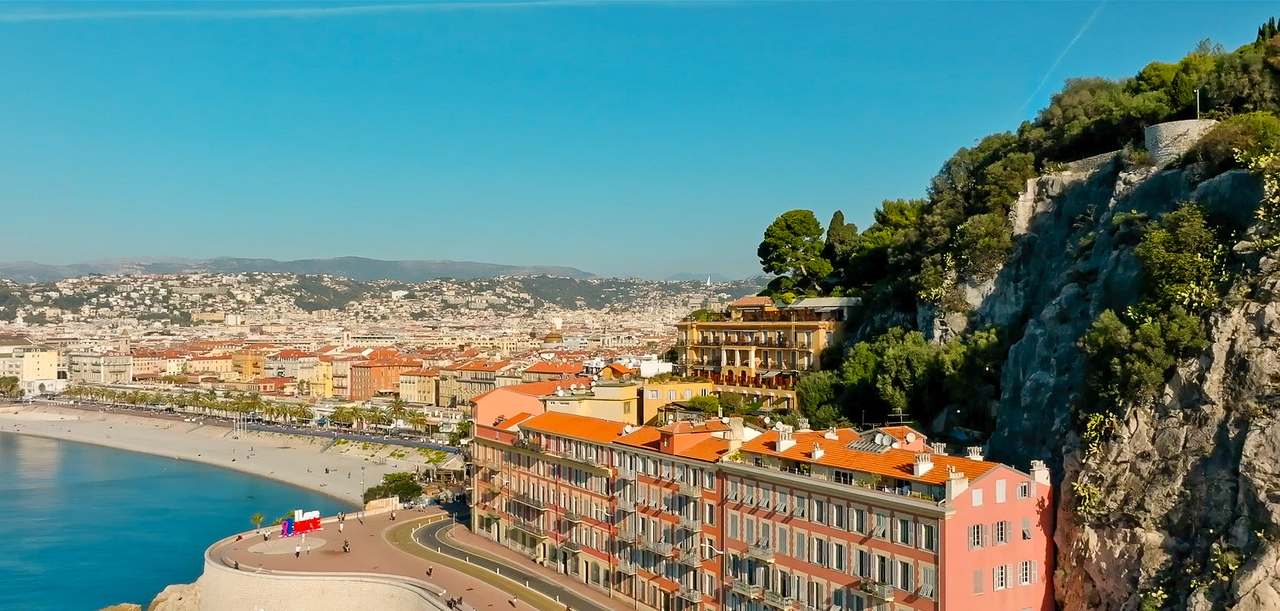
(759, 348)
(419, 386)
(94, 368)
(613, 401)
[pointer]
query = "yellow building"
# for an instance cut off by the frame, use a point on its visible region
(419, 386)
(658, 395)
(616, 401)
(248, 366)
(758, 348)
(321, 382)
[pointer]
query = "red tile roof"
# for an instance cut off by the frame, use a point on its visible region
(578, 427)
(478, 365)
(512, 421)
(551, 367)
(893, 463)
(752, 302)
(538, 389)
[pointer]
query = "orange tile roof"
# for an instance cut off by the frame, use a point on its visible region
(620, 369)
(512, 421)
(709, 450)
(685, 426)
(893, 463)
(537, 389)
(292, 354)
(478, 365)
(429, 373)
(900, 432)
(578, 427)
(643, 437)
(752, 302)
(647, 437)
(554, 368)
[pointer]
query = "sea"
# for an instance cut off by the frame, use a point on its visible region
(84, 527)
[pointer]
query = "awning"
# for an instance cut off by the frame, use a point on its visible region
(770, 374)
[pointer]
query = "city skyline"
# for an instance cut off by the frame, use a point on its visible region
(558, 133)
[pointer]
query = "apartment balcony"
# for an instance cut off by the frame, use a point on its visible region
(625, 474)
(584, 460)
(660, 548)
(527, 500)
(527, 445)
(572, 517)
(529, 527)
(691, 595)
(882, 591)
(691, 490)
(690, 524)
(627, 505)
(763, 553)
(572, 546)
(627, 536)
(690, 558)
(778, 600)
(627, 568)
(741, 587)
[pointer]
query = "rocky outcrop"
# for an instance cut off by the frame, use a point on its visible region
(123, 607)
(1190, 486)
(183, 597)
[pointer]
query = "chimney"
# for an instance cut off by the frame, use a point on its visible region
(831, 433)
(817, 451)
(939, 448)
(785, 440)
(924, 462)
(956, 483)
(736, 434)
(1040, 472)
(803, 424)
(975, 453)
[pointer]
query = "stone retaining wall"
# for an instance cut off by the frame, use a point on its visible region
(1166, 141)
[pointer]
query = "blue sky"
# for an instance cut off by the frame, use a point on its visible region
(636, 139)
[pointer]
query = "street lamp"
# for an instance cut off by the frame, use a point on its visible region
(362, 492)
(1197, 103)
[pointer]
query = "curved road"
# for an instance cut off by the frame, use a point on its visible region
(432, 537)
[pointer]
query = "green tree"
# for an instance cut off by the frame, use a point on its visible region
(793, 246)
(1181, 262)
(257, 519)
(402, 485)
(708, 404)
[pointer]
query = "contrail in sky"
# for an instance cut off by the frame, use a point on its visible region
(289, 12)
(1088, 22)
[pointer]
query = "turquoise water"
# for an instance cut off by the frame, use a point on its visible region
(83, 527)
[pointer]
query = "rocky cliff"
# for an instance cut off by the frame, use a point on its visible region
(1188, 487)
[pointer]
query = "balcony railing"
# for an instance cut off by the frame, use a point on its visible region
(627, 536)
(625, 473)
(573, 517)
(690, 524)
(743, 588)
(691, 595)
(529, 527)
(660, 548)
(528, 445)
(882, 591)
(690, 558)
(761, 552)
(572, 546)
(627, 505)
(626, 568)
(525, 499)
(692, 490)
(778, 600)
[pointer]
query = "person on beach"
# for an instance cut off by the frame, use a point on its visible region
(339, 527)
(297, 551)
(346, 547)
(429, 569)
(393, 516)
(513, 601)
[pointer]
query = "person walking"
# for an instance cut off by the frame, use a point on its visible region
(429, 569)
(308, 549)
(339, 527)
(393, 516)
(297, 551)
(513, 602)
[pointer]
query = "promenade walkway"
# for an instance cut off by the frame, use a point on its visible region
(381, 546)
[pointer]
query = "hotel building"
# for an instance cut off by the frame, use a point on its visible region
(710, 514)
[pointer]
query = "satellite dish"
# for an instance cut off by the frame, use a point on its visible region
(880, 438)
(573, 387)
(559, 392)
(895, 445)
(911, 437)
(626, 430)
(725, 420)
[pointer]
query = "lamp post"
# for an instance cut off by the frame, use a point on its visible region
(362, 492)
(1197, 103)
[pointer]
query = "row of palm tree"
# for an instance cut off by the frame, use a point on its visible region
(210, 402)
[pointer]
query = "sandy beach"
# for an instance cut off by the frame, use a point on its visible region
(295, 459)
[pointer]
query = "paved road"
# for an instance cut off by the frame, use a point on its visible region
(433, 537)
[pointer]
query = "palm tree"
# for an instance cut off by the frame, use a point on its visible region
(398, 412)
(257, 519)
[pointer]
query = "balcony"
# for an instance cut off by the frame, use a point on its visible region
(763, 553)
(777, 600)
(660, 548)
(572, 546)
(625, 473)
(741, 587)
(690, 524)
(882, 591)
(691, 490)
(529, 527)
(527, 445)
(690, 558)
(572, 517)
(627, 505)
(626, 568)
(525, 499)
(627, 536)
(691, 595)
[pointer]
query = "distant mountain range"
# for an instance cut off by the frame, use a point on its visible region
(355, 268)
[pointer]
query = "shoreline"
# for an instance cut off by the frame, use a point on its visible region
(294, 460)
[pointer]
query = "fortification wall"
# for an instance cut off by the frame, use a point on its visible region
(1166, 141)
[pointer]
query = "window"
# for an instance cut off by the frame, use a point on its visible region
(819, 511)
(864, 563)
(1026, 529)
(782, 501)
(733, 526)
(859, 521)
(928, 537)
(709, 516)
(801, 538)
(905, 575)
(1002, 532)
(688, 394)
(975, 535)
(784, 536)
(882, 527)
(653, 394)
(884, 570)
(904, 531)
(840, 513)
(1000, 579)
(928, 581)
(671, 395)
(1024, 491)
(977, 581)
(837, 554)
(1024, 573)
(977, 497)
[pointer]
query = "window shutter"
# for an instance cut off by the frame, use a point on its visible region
(977, 581)
(1035, 571)
(986, 535)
